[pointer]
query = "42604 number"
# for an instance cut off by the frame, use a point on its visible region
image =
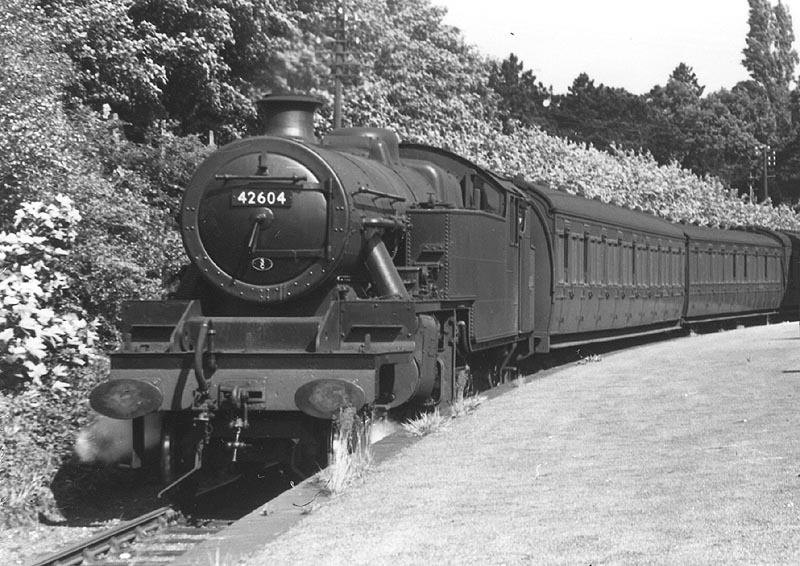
(261, 198)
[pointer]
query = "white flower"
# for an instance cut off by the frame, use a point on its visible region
(28, 271)
(35, 347)
(59, 371)
(35, 371)
(28, 323)
(15, 353)
(45, 315)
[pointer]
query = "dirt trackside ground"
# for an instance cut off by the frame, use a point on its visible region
(681, 452)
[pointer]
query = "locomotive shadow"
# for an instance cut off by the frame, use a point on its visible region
(88, 495)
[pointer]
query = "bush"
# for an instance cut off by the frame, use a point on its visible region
(47, 357)
(42, 336)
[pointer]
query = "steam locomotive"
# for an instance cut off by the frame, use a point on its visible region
(358, 271)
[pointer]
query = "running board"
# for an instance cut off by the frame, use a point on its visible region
(690, 321)
(611, 336)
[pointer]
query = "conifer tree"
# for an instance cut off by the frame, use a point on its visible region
(770, 58)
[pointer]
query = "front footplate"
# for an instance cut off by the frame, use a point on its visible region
(269, 381)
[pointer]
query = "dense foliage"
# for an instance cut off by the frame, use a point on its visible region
(84, 224)
(47, 355)
(106, 108)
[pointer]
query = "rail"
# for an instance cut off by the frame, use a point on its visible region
(111, 540)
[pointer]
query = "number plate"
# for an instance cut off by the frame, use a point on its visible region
(261, 197)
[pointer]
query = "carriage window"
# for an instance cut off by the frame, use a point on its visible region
(627, 264)
(517, 222)
(622, 263)
(655, 267)
(514, 221)
(729, 266)
(586, 262)
(671, 274)
(713, 273)
(705, 262)
(639, 265)
(723, 267)
(597, 259)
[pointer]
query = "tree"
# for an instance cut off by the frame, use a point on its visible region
(769, 55)
(770, 58)
(675, 109)
(600, 115)
(32, 124)
(684, 75)
(197, 64)
(522, 98)
(409, 71)
(715, 135)
(721, 140)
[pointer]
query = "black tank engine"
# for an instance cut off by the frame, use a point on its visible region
(357, 271)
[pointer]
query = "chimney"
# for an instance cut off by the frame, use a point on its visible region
(289, 116)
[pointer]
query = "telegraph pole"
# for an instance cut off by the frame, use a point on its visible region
(768, 163)
(339, 61)
(765, 159)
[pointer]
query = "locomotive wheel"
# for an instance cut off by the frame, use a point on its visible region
(485, 372)
(177, 447)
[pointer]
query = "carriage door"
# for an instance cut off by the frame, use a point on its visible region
(522, 250)
(512, 283)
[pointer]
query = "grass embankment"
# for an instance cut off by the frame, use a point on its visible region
(641, 458)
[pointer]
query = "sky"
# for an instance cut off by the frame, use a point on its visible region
(633, 44)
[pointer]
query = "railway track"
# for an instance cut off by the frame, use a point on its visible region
(154, 538)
